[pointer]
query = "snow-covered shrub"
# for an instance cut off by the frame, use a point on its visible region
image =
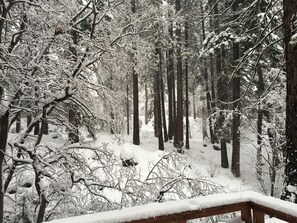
(79, 179)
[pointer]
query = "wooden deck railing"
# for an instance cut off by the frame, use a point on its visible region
(250, 213)
(253, 207)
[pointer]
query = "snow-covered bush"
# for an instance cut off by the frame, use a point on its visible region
(79, 179)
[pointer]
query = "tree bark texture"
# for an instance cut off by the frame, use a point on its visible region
(290, 10)
(4, 121)
(29, 119)
(194, 105)
(235, 167)
(128, 109)
(37, 125)
(46, 127)
(260, 89)
(222, 131)
(18, 123)
(146, 114)
(207, 90)
(170, 84)
(136, 139)
(156, 126)
(73, 134)
(213, 104)
(42, 199)
(187, 146)
(213, 93)
(158, 109)
(236, 118)
(179, 137)
(222, 96)
(163, 103)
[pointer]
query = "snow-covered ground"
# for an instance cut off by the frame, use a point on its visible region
(203, 160)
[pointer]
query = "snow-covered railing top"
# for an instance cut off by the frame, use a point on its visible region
(182, 210)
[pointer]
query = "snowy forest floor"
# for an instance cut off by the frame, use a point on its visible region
(202, 159)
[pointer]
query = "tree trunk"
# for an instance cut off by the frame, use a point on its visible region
(194, 106)
(11, 172)
(259, 122)
(1, 192)
(41, 193)
(213, 106)
(158, 111)
(18, 123)
(274, 159)
(42, 199)
(36, 128)
(37, 125)
(128, 109)
(171, 87)
(163, 101)
(290, 10)
(29, 119)
(136, 139)
(46, 127)
(41, 210)
(187, 146)
(73, 134)
(213, 96)
(207, 90)
(222, 129)
(213, 137)
(221, 96)
(174, 104)
(146, 116)
(112, 122)
(204, 121)
(179, 137)
(235, 168)
(156, 126)
(4, 121)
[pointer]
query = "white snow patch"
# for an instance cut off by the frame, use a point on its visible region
(292, 189)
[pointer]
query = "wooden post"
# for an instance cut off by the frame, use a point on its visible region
(246, 215)
(258, 217)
